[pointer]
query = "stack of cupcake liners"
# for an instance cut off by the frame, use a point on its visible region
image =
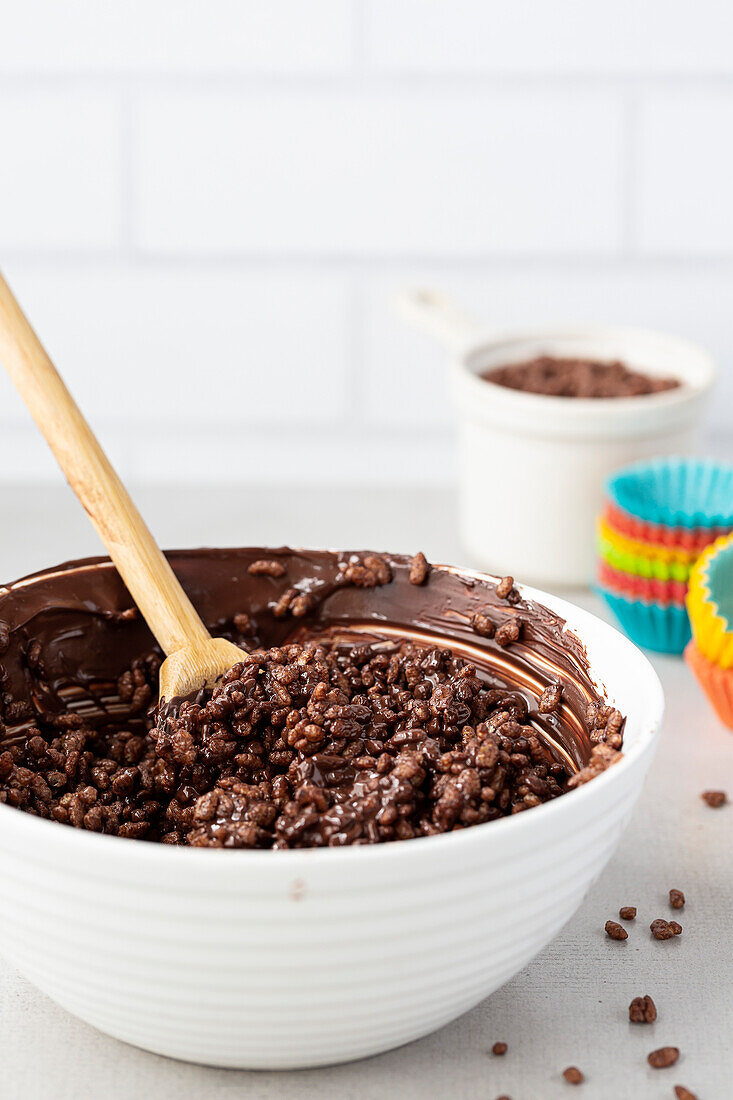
(710, 605)
(658, 518)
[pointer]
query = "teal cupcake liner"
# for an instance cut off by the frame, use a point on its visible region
(676, 492)
(649, 625)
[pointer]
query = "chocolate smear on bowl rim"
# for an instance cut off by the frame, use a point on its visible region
(78, 738)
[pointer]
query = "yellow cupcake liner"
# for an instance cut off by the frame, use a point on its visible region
(639, 565)
(711, 630)
(650, 551)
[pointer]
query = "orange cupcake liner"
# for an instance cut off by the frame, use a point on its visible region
(717, 683)
(693, 539)
(650, 589)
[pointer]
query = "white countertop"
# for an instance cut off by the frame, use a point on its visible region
(569, 1006)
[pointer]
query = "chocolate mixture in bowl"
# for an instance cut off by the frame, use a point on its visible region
(585, 378)
(378, 698)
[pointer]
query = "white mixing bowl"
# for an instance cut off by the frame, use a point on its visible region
(265, 959)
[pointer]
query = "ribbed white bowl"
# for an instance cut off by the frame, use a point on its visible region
(284, 959)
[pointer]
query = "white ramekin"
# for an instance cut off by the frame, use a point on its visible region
(531, 468)
(266, 959)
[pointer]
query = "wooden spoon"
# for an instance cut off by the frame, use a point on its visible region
(193, 657)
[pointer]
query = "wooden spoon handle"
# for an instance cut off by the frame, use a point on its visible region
(155, 588)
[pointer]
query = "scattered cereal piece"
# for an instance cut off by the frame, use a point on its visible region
(508, 632)
(573, 1075)
(504, 587)
(482, 624)
(676, 899)
(300, 605)
(550, 698)
(244, 624)
(662, 929)
(665, 1056)
(266, 568)
(642, 1010)
(683, 1094)
(419, 569)
(615, 931)
(281, 608)
(714, 799)
(364, 571)
(627, 912)
(499, 1049)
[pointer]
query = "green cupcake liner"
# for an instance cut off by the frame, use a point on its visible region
(640, 566)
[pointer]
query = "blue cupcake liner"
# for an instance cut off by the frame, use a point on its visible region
(677, 492)
(649, 625)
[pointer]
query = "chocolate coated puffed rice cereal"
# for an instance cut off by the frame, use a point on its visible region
(642, 1010)
(556, 376)
(419, 569)
(483, 625)
(550, 698)
(324, 739)
(367, 571)
(298, 746)
(509, 632)
(676, 899)
(615, 930)
(266, 568)
(662, 929)
(627, 912)
(244, 625)
(505, 587)
(665, 1056)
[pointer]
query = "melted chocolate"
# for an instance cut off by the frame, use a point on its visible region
(77, 614)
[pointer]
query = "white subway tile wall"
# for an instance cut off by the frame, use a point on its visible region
(562, 37)
(208, 208)
(344, 172)
(177, 36)
(60, 169)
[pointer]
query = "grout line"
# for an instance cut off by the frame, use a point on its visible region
(127, 170)
(126, 432)
(356, 373)
(392, 79)
(353, 263)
